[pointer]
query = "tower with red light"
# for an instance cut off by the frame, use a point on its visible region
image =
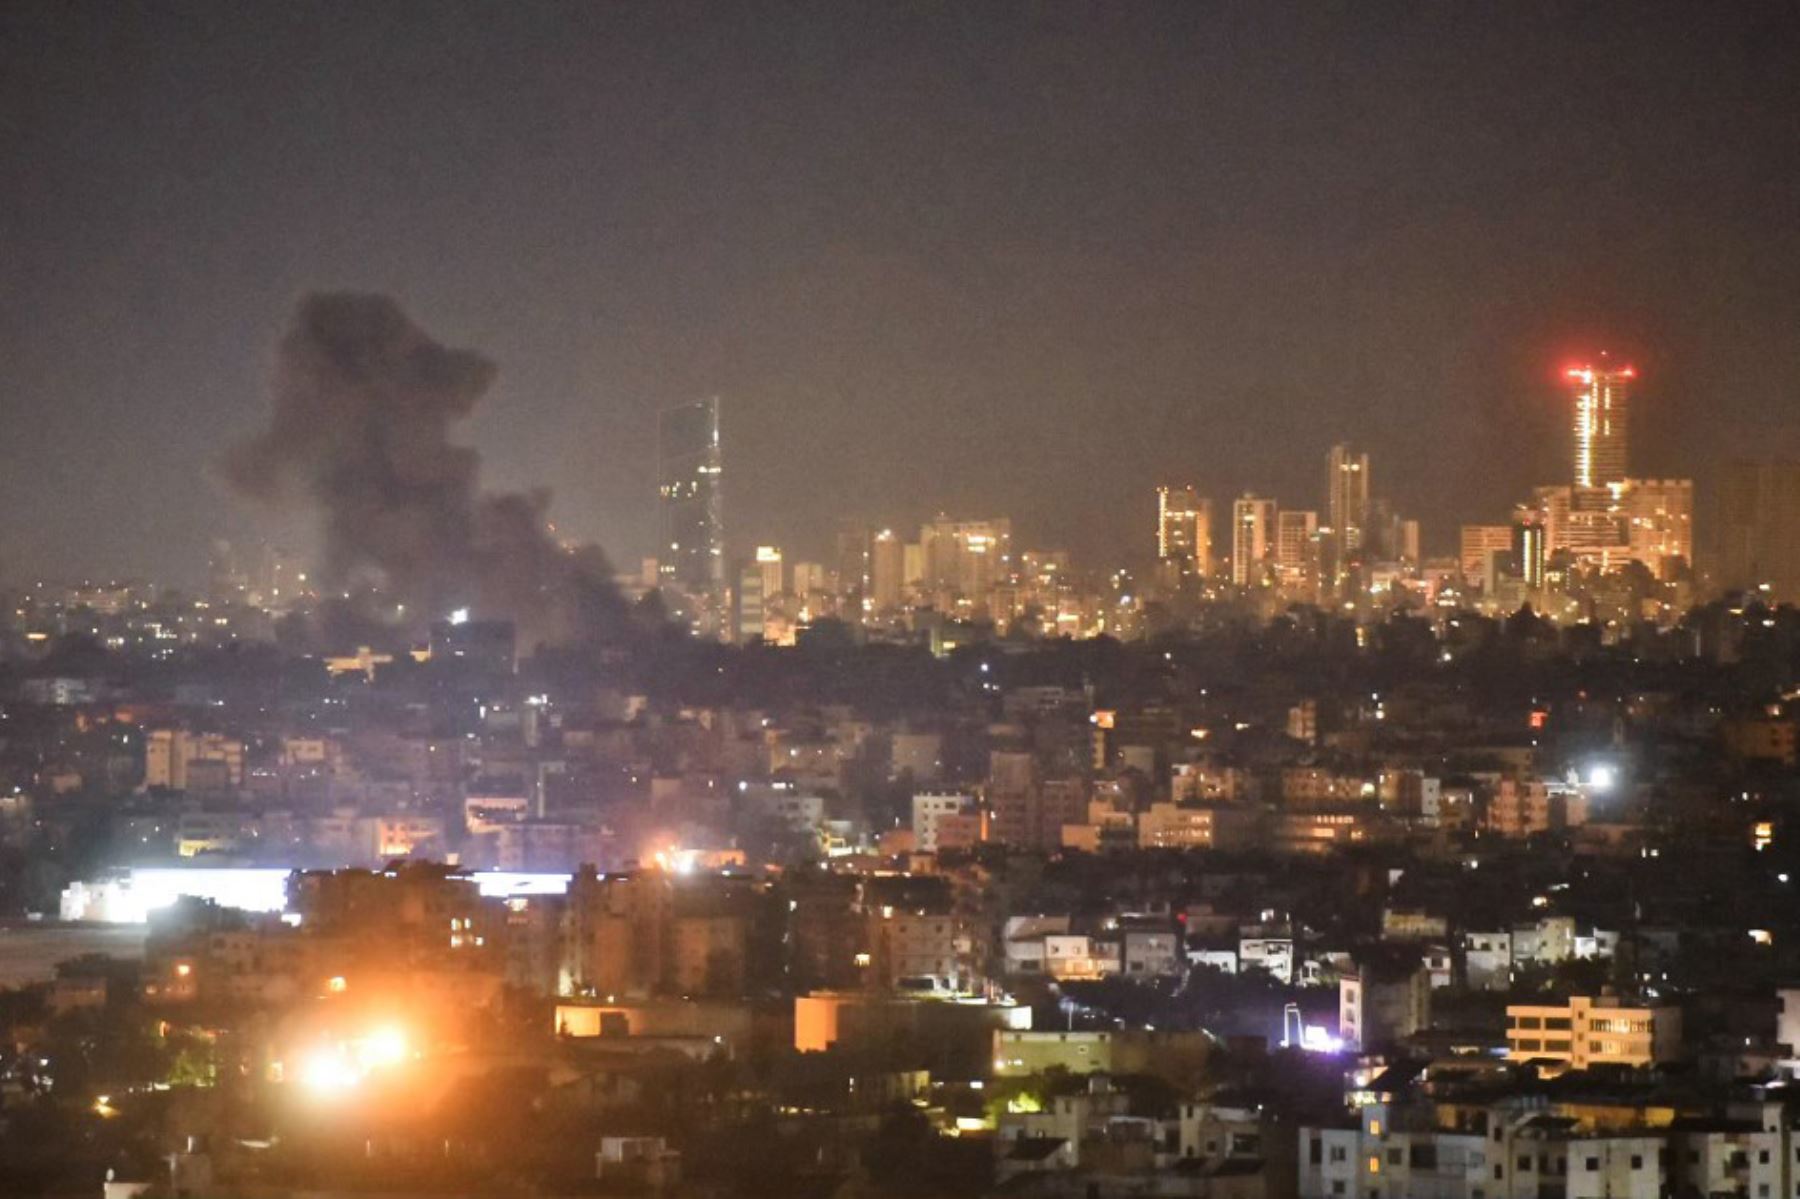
(1602, 422)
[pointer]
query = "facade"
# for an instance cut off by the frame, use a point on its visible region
(1530, 553)
(934, 813)
(1297, 547)
(1347, 499)
(1504, 1154)
(1381, 1003)
(1593, 1031)
(1195, 826)
(1032, 816)
(966, 558)
(750, 606)
(1602, 423)
(1183, 532)
(887, 571)
(1484, 549)
(1659, 523)
(177, 760)
(690, 470)
(1253, 540)
(1525, 807)
(916, 945)
(1627, 520)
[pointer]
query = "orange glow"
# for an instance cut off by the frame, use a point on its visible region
(333, 1068)
(1587, 373)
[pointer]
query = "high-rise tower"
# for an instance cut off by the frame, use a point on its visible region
(1253, 541)
(1183, 531)
(887, 571)
(1602, 425)
(1347, 499)
(690, 477)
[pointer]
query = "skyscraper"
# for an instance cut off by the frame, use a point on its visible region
(1629, 520)
(887, 566)
(967, 558)
(851, 558)
(1347, 499)
(752, 605)
(769, 565)
(1528, 553)
(689, 480)
(1183, 531)
(1296, 547)
(1759, 528)
(1252, 540)
(1601, 423)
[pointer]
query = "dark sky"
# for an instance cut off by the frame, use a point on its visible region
(984, 257)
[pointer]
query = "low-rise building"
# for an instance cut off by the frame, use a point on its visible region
(1593, 1031)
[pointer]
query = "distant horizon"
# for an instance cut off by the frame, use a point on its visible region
(991, 261)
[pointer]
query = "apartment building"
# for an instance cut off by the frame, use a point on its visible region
(1593, 1031)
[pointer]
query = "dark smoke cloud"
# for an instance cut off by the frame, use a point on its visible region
(363, 405)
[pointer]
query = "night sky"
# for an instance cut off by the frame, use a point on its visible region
(984, 257)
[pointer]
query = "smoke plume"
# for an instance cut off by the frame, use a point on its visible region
(364, 401)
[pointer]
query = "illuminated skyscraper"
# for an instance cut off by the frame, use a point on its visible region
(1347, 499)
(1252, 540)
(1601, 423)
(1528, 553)
(1183, 531)
(1297, 547)
(690, 477)
(768, 564)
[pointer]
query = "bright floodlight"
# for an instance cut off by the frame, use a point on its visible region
(1601, 778)
(460, 616)
(1315, 1039)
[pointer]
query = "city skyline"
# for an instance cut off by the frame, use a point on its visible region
(1047, 336)
(918, 600)
(690, 494)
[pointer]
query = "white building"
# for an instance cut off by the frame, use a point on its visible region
(931, 809)
(1272, 954)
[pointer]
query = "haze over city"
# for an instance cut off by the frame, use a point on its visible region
(899, 601)
(979, 259)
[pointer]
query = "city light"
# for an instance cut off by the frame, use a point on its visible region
(1315, 1039)
(1439, 703)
